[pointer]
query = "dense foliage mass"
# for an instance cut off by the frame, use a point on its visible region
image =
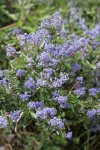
(53, 82)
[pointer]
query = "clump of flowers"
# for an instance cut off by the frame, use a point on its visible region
(57, 76)
(3, 122)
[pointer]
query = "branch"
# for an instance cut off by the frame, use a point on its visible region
(9, 26)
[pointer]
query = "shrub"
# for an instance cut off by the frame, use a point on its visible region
(53, 80)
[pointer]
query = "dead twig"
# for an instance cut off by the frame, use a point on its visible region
(73, 86)
(9, 26)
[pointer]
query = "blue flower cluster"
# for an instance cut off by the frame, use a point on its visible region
(45, 113)
(68, 135)
(3, 122)
(94, 116)
(80, 91)
(15, 115)
(30, 83)
(20, 73)
(55, 21)
(35, 105)
(25, 97)
(11, 52)
(94, 91)
(57, 123)
(62, 100)
(93, 112)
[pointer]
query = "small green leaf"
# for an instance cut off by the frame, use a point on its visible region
(33, 115)
(18, 62)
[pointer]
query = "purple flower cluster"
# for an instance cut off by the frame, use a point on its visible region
(41, 36)
(80, 79)
(3, 122)
(49, 47)
(4, 82)
(76, 67)
(15, 115)
(26, 96)
(62, 100)
(56, 94)
(93, 112)
(95, 32)
(93, 91)
(55, 21)
(20, 73)
(46, 60)
(67, 49)
(62, 80)
(25, 39)
(37, 38)
(16, 31)
(79, 82)
(59, 51)
(48, 73)
(30, 83)
(80, 91)
(68, 135)
(57, 83)
(41, 83)
(35, 105)
(63, 33)
(77, 19)
(56, 122)
(80, 44)
(94, 116)
(45, 113)
(10, 51)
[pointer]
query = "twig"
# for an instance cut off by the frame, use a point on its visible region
(73, 87)
(28, 133)
(9, 26)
